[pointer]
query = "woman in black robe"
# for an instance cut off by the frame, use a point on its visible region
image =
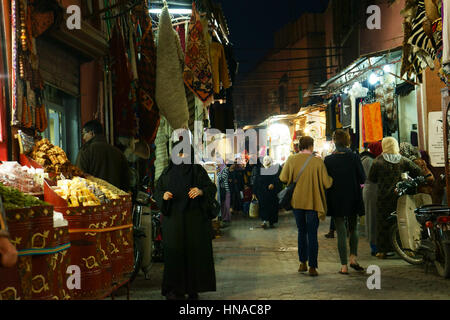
(266, 187)
(183, 192)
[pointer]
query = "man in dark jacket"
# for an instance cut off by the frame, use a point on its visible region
(102, 160)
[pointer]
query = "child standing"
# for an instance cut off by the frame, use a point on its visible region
(247, 199)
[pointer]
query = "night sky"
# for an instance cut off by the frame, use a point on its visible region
(252, 24)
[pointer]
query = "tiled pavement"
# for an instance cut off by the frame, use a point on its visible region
(253, 264)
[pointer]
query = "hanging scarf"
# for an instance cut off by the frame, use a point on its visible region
(197, 70)
(373, 126)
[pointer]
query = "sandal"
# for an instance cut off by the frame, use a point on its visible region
(342, 272)
(356, 266)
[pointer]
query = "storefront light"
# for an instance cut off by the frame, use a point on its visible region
(373, 79)
(172, 11)
(326, 146)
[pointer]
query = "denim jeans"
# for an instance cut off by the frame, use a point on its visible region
(246, 207)
(308, 246)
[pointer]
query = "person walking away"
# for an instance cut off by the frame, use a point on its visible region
(308, 200)
(344, 198)
(225, 194)
(102, 160)
(247, 199)
(237, 186)
(182, 193)
(330, 234)
(370, 194)
(267, 186)
(386, 171)
(407, 150)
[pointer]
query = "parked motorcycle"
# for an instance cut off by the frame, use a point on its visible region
(421, 232)
(141, 206)
(435, 245)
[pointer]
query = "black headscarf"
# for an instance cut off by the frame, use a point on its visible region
(180, 181)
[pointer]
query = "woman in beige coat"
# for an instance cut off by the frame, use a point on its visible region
(308, 201)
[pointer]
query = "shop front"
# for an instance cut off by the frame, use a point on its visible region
(371, 101)
(58, 215)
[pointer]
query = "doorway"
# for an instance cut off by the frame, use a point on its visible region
(63, 114)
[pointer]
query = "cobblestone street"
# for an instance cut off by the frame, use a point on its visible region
(252, 264)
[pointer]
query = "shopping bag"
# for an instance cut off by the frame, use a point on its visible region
(254, 209)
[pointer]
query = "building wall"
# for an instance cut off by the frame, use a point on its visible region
(391, 33)
(257, 96)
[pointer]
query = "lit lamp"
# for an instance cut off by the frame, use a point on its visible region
(373, 79)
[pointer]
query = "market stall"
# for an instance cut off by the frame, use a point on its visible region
(84, 222)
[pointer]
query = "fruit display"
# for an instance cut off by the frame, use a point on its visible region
(14, 199)
(54, 159)
(27, 180)
(83, 192)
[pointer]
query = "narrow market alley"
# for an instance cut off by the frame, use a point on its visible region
(256, 264)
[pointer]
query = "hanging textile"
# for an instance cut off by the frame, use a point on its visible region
(446, 32)
(197, 70)
(219, 67)
(170, 93)
(385, 94)
(337, 112)
(182, 35)
(331, 118)
(346, 111)
(362, 136)
(146, 67)
(162, 145)
(15, 112)
(191, 106)
(373, 128)
(124, 115)
(420, 44)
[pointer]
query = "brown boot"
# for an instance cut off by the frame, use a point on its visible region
(303, 267)
(313, 272)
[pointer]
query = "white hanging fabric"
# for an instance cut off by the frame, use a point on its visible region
(445, 32)
(170, 93)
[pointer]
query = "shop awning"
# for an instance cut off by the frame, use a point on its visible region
(358, 70)
(286, 117)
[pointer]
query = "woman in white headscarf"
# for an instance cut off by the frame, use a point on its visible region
(386, 171)
(266, 187)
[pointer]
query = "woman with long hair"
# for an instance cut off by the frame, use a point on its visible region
(344, 198)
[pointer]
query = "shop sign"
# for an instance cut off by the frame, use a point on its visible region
(436, 139)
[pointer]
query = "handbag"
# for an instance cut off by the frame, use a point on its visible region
(253, 211)
(214, 209)
(285, 195)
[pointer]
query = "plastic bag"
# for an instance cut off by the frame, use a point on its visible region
(254, 209)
